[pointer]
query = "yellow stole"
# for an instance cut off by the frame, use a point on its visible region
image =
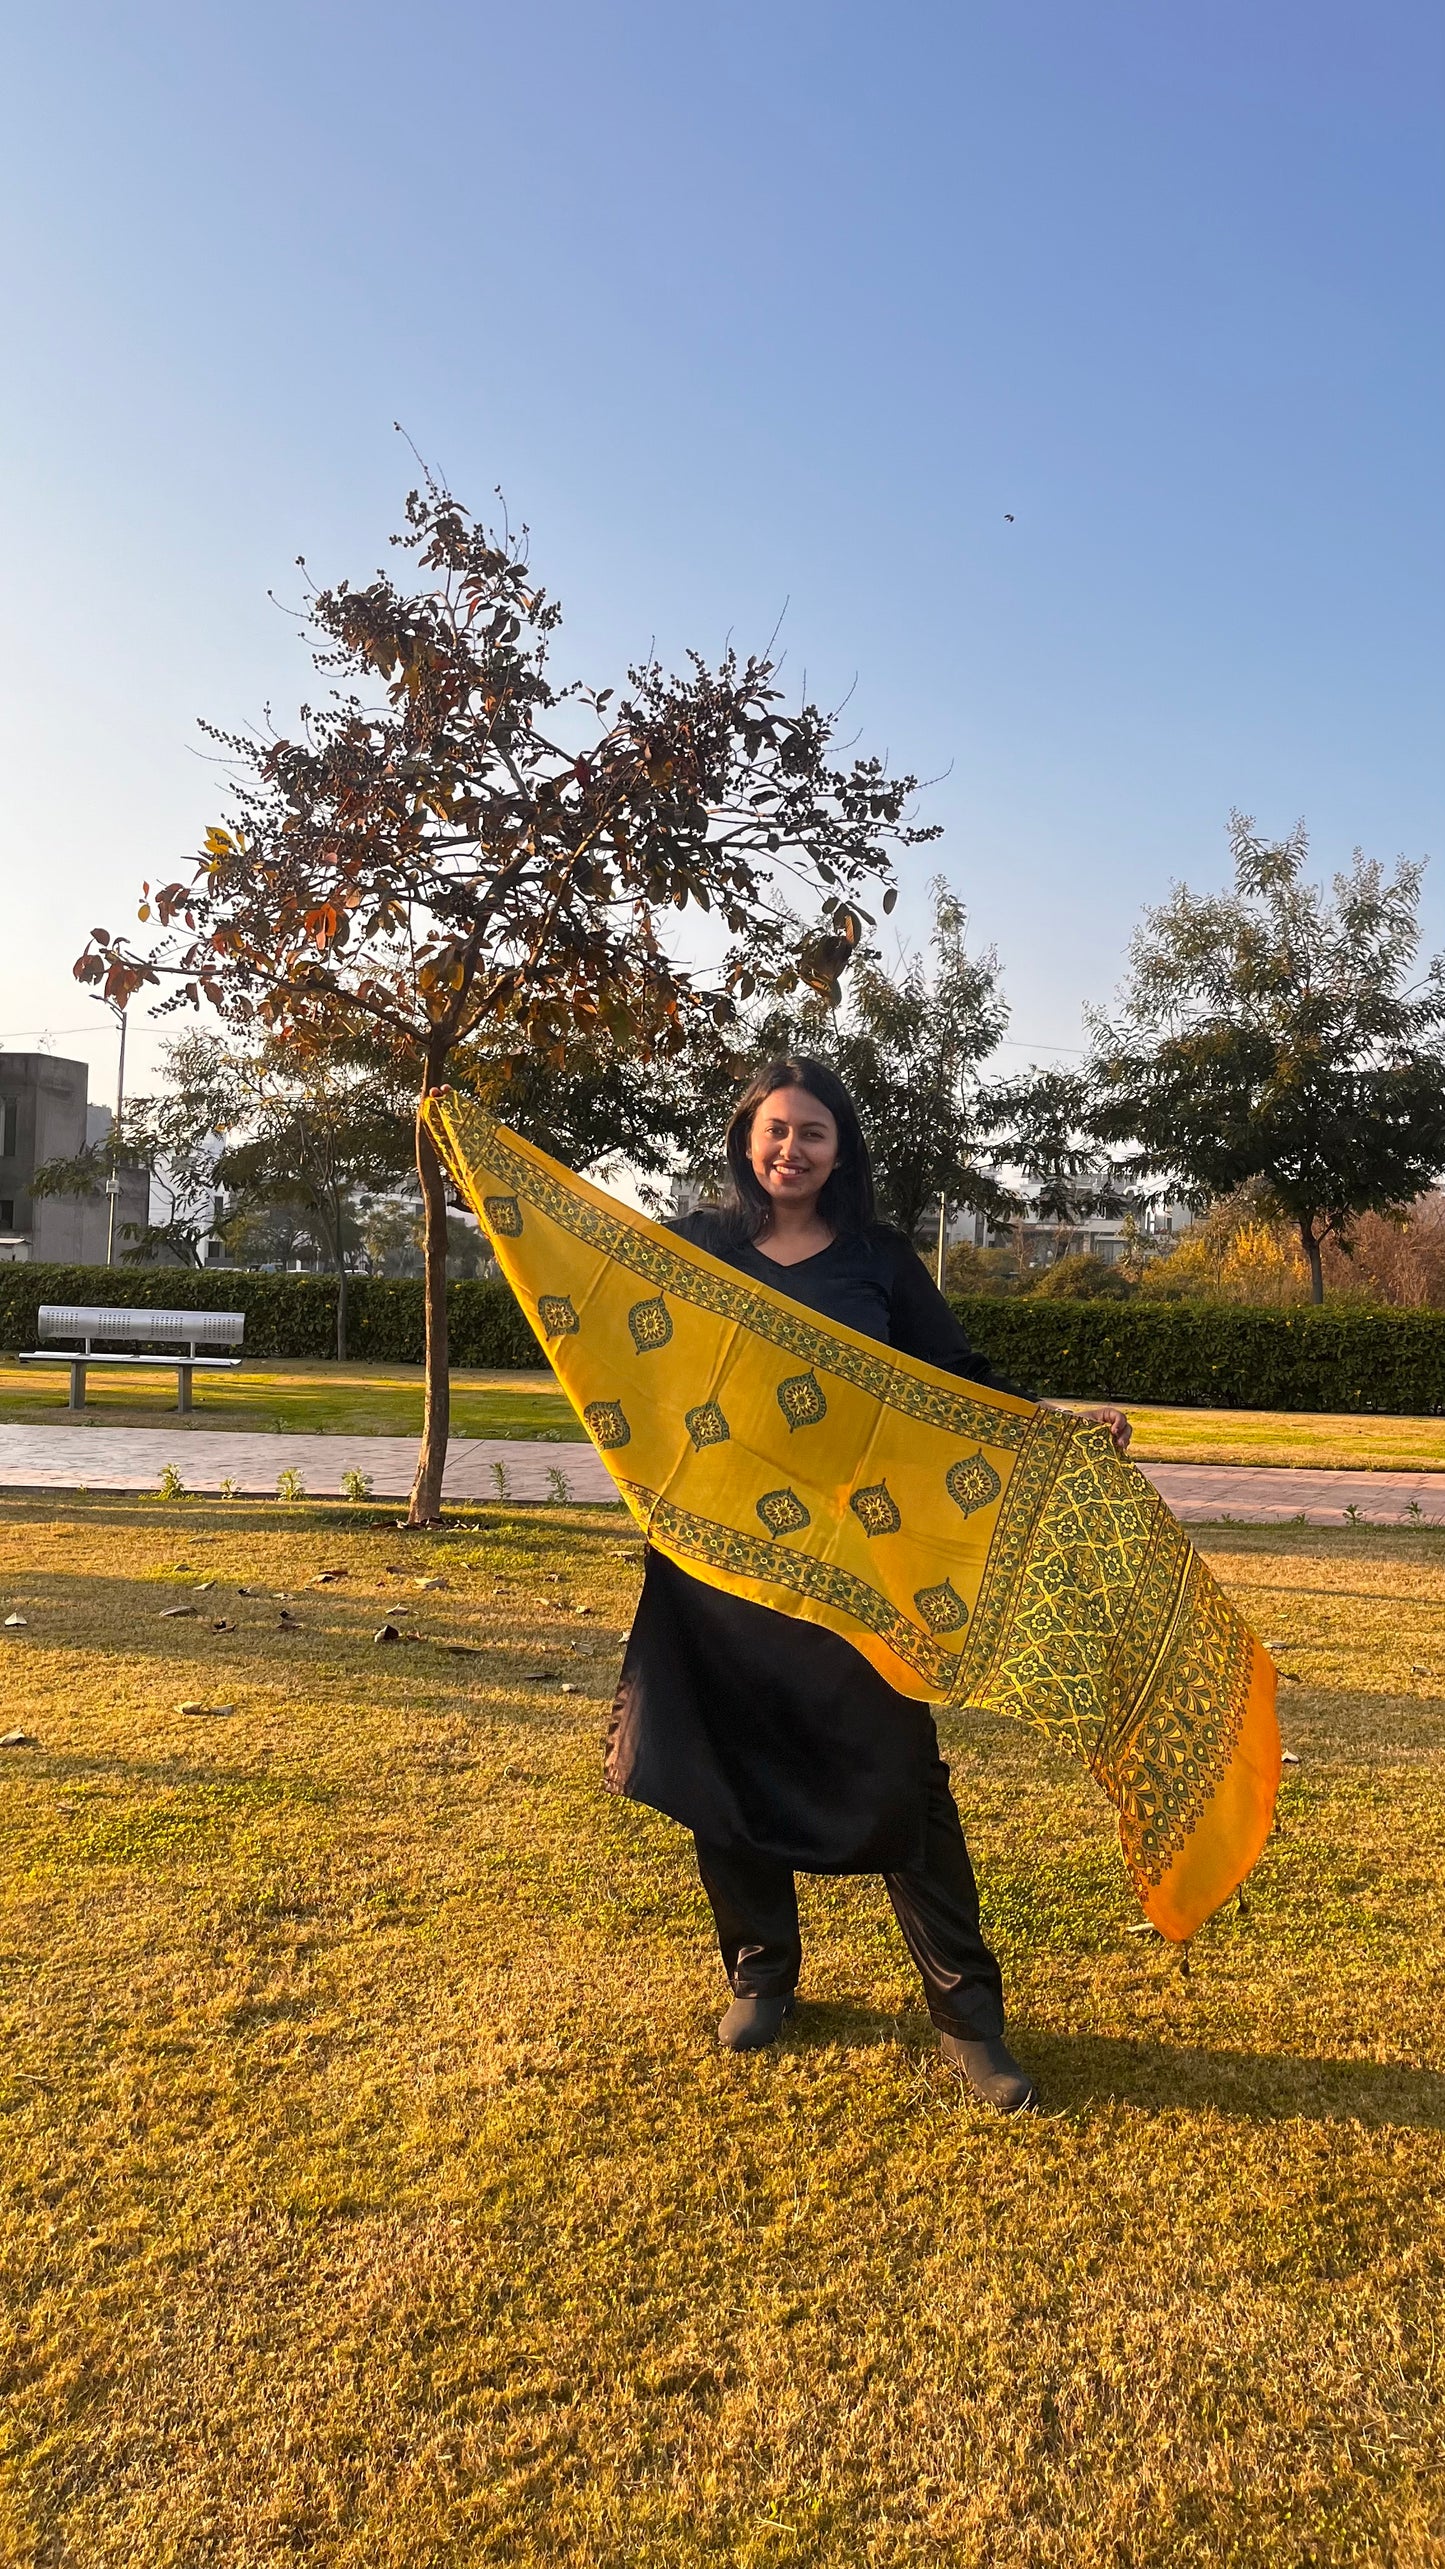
(977, 1549)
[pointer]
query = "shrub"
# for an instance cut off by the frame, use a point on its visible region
(1216, 1355)
(1082, 1279)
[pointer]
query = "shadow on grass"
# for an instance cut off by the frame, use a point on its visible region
(1077, 2071)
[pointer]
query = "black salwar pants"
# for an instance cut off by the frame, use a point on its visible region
(935, 1900)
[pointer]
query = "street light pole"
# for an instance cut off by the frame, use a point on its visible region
(113, 1182)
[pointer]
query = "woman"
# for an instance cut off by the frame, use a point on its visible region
(773, 1740)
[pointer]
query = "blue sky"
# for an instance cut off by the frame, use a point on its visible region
(745, 308)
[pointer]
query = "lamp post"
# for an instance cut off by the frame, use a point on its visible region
(112, 1184)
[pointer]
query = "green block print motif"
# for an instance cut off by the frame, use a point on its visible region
(783, 1512)
(801, 1400)
(973, 1483)
(706, 1425)
(503, 1213)
(942, 1608)
(606, 1423)
(558, 1315)
(651, 1325)
(876, 1509)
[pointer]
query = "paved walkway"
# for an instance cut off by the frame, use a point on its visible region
(133, 1458)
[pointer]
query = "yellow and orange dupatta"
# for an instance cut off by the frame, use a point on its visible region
(979, 1550)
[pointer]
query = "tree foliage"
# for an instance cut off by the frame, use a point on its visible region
(452, 840)
(909, 1047)
(1279, 1032)
(319, 1124)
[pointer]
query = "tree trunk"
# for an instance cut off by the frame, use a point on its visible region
(1313, 1260)
(426, 1496)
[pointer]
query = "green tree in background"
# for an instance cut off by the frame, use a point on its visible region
(450, 840)
(319, 1125)
(909, 1046)
(1282, 1033)
(908, 1040)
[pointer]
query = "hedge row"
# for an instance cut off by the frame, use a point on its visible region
(1200, 1354)
(286, 1315)
(1215, 1355)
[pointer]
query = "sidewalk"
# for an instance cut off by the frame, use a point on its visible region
(133, 1458)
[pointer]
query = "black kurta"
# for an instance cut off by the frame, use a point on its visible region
(756, 1730)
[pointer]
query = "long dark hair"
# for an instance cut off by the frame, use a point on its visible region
(846, 1202)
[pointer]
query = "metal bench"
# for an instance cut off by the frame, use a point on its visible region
(115, 1334)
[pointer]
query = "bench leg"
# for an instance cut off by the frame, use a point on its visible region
(77, 1386)
(183, 1387)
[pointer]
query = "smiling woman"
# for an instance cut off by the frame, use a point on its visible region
(772, 1739)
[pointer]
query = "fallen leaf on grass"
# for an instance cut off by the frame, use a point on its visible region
(428, 1583)
(17, 1739)
(223, 1625)
(214, 1712)
(539, 1676)
(569, 1690)
(17, 1623)
(1287, 1757)
(202, 1587)
(324, 1578)
(177, 1614)
(288, 1623)
(1146, 1927)
(388, 1632)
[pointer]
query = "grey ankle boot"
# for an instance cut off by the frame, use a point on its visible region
(752, 2023)
(990, 2069)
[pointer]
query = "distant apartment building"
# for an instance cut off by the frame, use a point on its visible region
(1153, 1229)
(44, 1115)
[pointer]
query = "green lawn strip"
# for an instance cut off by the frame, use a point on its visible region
(302, 1396)
(375, 2192)
(1286, 1438)
(299, 1398)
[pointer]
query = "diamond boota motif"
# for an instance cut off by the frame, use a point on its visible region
(875, 1509)
(706, 1425)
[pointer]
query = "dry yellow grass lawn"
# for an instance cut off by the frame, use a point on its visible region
(375, 2196)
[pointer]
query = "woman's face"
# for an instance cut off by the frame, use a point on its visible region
(793, 1147)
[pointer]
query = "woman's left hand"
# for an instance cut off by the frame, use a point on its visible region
(1116, 1423)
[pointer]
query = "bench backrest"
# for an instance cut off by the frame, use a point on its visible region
(123, 1324)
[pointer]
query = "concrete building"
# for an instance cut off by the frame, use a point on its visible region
(44, 1115)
